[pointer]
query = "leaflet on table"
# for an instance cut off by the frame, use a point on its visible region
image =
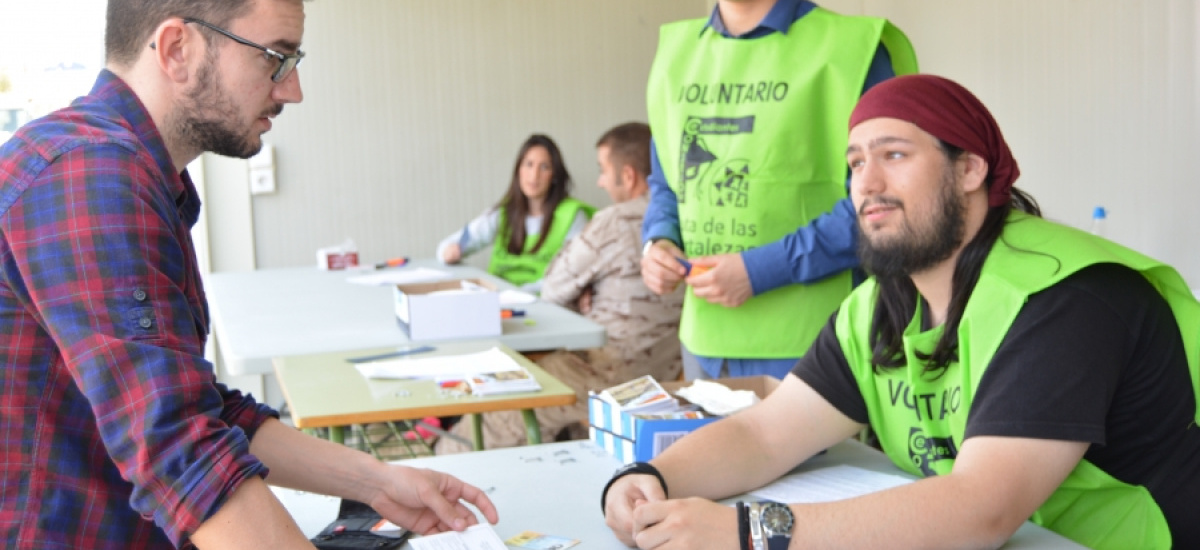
(403, 276)
(480, 536)
(640, 395)
(448, 367)
(828, 484)
(507, 381)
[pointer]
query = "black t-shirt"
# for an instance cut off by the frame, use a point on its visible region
(1096, 358)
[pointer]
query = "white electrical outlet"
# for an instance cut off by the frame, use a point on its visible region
(262, 180)
(262, 171)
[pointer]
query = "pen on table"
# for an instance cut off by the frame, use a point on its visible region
(397, 353)
(510, 313)
(394, 262)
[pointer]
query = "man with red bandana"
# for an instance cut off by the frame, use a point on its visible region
(1027, 370)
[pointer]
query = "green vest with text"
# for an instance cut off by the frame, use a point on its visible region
(529, 266)
(751, 136)
(921, 420)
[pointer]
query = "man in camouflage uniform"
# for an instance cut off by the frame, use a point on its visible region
(599, 274)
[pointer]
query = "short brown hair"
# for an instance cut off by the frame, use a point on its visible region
(628, 144)
(130, 23)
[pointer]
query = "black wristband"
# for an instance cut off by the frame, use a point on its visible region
(743, 525)
(632, 468)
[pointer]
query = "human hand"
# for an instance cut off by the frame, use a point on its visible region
(426, 501)
(584, 302)
(724, 283)
(690, 523)
(452, 254)
(661, 271)
(624, 496)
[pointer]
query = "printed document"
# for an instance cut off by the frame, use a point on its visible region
(404, 276)
(441, 367)
(828, 484)
(477, 537)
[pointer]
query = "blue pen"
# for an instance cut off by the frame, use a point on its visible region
(700, 269)
(686, 265)
(398, 353)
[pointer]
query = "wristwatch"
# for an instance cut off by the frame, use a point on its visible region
(777, 521)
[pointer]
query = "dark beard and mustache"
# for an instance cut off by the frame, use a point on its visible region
(916, 249)
(209, 117)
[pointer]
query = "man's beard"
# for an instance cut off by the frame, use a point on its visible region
(209, 117)
(916, 249)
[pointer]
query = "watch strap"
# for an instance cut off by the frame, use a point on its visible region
(629, 469)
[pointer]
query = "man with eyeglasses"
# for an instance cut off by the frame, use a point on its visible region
(113, 429)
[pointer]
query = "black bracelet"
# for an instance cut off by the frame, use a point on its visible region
(743, 513)
(632, 468)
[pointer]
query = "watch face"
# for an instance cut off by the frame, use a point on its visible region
(777, 519)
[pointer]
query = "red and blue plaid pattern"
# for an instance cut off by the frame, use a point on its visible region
(114, 430)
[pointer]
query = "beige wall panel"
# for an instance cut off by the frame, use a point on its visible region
(1097, 98)
(413, 113)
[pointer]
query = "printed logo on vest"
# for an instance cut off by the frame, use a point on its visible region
(727, 185)
(923, 451)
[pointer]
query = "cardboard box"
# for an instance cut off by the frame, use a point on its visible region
(427, 312)
(633, 439)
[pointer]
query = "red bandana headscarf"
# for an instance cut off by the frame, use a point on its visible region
(949, 112)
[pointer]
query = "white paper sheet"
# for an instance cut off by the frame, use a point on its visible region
(404, 276)
(443, 366)
(828, 484)
(477, 537)
(512, 297)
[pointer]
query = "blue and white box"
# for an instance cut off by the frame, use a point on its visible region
(634, 439)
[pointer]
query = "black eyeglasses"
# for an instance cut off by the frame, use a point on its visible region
(287, 62)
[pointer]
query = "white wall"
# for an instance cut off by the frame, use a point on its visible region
(413, 110)
(1097, 98)
(413, 113)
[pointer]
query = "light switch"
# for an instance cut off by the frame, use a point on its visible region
(262, 171)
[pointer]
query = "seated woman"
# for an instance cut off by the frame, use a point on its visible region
(530, 223)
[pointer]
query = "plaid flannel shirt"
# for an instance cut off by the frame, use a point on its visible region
(114, 430)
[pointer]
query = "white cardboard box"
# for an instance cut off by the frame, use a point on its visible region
(438, 311)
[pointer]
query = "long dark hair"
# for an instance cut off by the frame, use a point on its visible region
(516, 206)
(897, 300)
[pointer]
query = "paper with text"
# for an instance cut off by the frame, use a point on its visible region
(477, 537)
(404, 276)
(828, 484)
(440, 366)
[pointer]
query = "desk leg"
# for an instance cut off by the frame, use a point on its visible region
(337, 434)
(477, 427)
(533, 430)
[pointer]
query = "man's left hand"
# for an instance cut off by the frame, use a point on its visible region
(690, 523)
(426, 501)
(724, 281)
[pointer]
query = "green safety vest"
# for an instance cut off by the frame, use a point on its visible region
(528, 266)
(751, 136)
(921, 421)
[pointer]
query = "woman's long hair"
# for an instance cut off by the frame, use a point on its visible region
(897, 300)
(516, 206)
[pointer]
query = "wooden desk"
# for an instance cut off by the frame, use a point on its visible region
(555, 489)
(324, 390)
(260, 315)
